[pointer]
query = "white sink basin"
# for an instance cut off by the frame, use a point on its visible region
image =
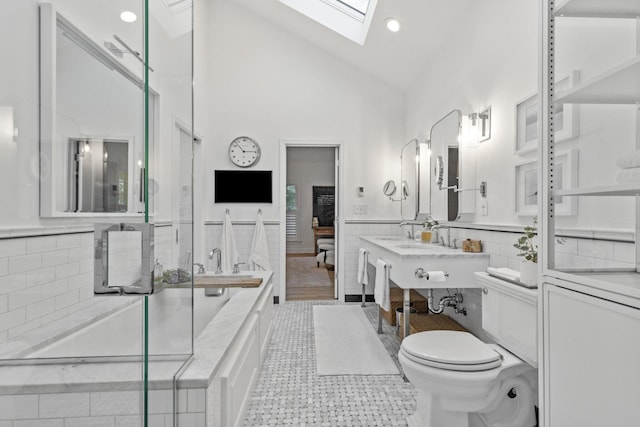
(393, 238)
(406, 257)
(420, 246)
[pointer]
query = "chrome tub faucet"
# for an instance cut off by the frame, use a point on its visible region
(218, 254)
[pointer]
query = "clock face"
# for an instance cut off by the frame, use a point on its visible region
(244, 152)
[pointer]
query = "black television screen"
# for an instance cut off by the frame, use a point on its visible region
(242, 186)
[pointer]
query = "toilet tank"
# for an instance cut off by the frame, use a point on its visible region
(509, 316)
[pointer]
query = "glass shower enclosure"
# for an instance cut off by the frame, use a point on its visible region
(96, 239)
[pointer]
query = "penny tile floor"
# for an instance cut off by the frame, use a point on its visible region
(290, 393)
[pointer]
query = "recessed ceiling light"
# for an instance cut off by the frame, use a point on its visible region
(128, 16)
(393, 24)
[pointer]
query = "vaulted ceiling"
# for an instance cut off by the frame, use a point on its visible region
(395, 58)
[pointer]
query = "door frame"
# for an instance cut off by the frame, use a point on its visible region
(339, 222)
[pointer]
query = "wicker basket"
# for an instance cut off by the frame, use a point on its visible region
(395, 296)
(420, 322)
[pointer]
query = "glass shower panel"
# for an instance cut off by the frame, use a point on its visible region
(88, 138)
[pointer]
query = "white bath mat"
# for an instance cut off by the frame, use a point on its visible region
(347, 344)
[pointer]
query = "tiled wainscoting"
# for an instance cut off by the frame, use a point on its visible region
(47, 274)
(102, 409)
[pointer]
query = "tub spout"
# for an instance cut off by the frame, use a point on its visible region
(217, 252)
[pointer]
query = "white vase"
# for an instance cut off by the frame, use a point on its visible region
(529, 273)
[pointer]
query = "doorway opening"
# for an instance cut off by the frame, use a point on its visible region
(311, 261)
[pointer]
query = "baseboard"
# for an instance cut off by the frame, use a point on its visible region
(358, 298)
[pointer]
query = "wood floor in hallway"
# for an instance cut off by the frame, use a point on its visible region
(306, 281)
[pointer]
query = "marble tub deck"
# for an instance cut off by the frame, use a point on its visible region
(86, 376)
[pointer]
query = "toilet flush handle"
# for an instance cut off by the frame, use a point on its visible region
(485, 290)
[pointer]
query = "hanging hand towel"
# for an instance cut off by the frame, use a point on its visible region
(259, 255)
(363, 275)
(228, 245)
(381, 291)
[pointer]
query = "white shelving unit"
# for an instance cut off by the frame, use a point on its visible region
(589, 318)
(632, 189)
(598, 8)
(619, 85)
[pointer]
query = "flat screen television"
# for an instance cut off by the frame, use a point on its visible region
(241, 186)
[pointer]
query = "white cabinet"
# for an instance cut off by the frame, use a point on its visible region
(591, 360)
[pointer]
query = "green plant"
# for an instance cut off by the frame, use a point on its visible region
(525, 244)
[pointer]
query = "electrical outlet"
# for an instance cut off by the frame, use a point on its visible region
(360, 209)
(484, 208)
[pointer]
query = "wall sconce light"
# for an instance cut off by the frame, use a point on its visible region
(8, 130)
(482, 122)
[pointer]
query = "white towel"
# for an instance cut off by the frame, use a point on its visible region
(363, 275)
(259, 255)
(228, 245)
(626, 176)
(629, 160)
(381, 290)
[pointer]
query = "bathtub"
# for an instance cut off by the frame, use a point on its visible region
(120, 333)
(231, 335)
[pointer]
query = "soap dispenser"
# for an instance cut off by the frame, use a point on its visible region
(157, 270)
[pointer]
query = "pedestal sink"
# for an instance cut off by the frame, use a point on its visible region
(407, 256)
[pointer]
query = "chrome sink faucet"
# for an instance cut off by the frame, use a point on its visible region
(443, 229)
(410, 234)
(217, 252)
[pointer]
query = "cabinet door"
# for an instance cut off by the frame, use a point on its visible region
(592, 360)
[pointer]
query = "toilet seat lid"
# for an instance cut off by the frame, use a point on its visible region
(455, 350)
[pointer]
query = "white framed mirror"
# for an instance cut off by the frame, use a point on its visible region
(92, 144)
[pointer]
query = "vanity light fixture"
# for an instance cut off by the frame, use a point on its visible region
(482, 122)
(392, 24)
(87, 146)
(128, 16)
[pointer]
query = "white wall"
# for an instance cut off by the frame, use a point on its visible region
(308, 167)
(490, 60)
(269, 84)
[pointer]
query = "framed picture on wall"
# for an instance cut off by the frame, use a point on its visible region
(527, 125)
(565, 117)
(526, 191)
(565, 175)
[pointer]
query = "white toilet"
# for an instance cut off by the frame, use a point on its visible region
(464, 382)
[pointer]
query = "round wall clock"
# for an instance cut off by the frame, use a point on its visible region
(244, 152)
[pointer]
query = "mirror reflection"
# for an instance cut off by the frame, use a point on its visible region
(409, 158)
(444, 164)
(99, 176)
(90, 121)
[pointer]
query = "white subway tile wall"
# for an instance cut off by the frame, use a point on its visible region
(108, 408)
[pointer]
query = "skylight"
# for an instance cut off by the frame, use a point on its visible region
(357, 5)
(350, 18)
